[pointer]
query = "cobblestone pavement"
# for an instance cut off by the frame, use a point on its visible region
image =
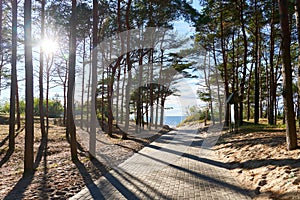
(172, 167)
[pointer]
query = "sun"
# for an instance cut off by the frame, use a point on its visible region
(49, 46)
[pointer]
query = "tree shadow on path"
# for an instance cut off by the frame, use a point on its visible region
(17, 192)
(92, 187)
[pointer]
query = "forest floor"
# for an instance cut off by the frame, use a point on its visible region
(258, 157)
(56, 176)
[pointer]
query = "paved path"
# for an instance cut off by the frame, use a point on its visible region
(172, 167)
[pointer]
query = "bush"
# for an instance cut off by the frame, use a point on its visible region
(55, 108)
(195, 113)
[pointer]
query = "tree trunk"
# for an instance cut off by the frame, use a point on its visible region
(297, 8)
(113, 73)
(218, 86)
(118, 95)
(41, 74)
(272, 99)
(105, 69)
(71, 129)
(1, 42)
(139, 103)
(92, 146)
(18, 121)
(224, 56)
(129, 66)
(162, 110)
(260, 71)
(151, 90)
(234, 79)
(291, 135)
(256, 95)
(128, 87)
(159, 88)
(245, 62)
(88, 96)
(13, 76)
(123, 96)
(82, 84)
(65, 102)
(248, 92)
(277, 76)
(29, 123)
(207, 77)
(48, 71)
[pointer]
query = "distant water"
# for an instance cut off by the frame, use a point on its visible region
(173, 120)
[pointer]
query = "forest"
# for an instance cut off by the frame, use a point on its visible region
(109, 67)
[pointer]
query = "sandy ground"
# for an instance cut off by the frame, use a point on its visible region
(56, 176)
(260, 161)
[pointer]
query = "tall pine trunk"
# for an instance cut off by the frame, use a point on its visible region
(71, 129)
(93, 121)
(89, 86)
(13, 77)
(1, 43)
(224, 56)
(82, 83)
(245, 62)
(291, 135)
(218, 85)
(297, 8)
(272, 94)
(41, 74)
(256, 69)
(129, 78)
(18, 119)
(29, 123)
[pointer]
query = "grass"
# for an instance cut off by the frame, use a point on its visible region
(263, 125)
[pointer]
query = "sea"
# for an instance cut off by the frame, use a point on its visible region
(173, 121)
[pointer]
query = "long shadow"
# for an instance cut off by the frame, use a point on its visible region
(43, 194)
(270, 141)
(80, 148)
(4, 141)
(196, 158)
(115, 182)
(9, 152)
(42, 152)
(171, 138)
(39, 155)
(129, 195)
(4, 120)
(250, 164)
(17, 192)
(147, 186)
(6, 157)
(7, 137)
(204, 160)
(92, 187)
(190, 156)
(288, 195)
(204, 177)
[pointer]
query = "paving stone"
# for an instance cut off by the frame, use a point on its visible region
(172, 167)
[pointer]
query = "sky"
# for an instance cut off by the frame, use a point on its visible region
(187, 87)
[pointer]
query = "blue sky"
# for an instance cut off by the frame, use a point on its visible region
(187, 88)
